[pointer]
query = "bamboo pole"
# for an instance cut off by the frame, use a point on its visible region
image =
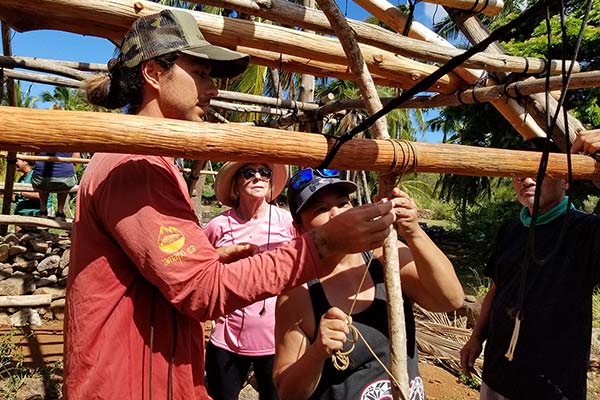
(112, 18)
(11, 166)
(58, 130)
(514, 113)
(288, 13)
(487, 7)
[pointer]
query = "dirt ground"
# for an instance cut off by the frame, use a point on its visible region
(439, 385)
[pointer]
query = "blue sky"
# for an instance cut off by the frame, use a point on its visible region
(66, 46)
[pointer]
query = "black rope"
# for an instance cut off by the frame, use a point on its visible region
(526, 70)
(429, 80)
(530, 255)
(411, 15)
(472, 9)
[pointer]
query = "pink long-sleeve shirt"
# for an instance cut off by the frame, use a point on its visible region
(250, 330)
(142, 278)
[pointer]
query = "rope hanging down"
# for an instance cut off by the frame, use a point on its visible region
(530, 254)
(341, 359)
(428, 81)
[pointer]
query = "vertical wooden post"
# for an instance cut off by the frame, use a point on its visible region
(397, 325)
(307, 86)
(11, 158)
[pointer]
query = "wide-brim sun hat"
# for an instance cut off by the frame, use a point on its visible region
(174, 30)
(225, 180)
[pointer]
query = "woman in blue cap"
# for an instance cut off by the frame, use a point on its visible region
(311, 325)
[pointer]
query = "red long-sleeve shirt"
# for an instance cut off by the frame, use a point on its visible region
(142, 277)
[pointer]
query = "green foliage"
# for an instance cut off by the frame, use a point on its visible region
(12, 370)
(596, 309)
(469, 381)
(589, 204)
(24, 98)
(484, 218)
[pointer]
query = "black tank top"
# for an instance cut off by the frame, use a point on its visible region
(365, 379)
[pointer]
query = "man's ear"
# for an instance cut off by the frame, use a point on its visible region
(151, 73)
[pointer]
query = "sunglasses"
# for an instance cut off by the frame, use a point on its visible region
(305, 176)
(249, 173)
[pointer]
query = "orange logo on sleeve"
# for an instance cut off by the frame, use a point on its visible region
(170, 239)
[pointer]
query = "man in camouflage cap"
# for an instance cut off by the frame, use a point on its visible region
(143, 275)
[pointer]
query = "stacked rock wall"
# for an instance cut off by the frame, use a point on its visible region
(34, 262)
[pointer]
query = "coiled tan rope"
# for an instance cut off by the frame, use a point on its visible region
(340, 358)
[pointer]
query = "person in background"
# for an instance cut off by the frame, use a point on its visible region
(245, 337)
(26, 203)
(537, 314)
(143, 275)
(54, 177)
(313, 322)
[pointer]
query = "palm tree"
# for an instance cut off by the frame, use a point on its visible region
(66, 98)
(24, 99)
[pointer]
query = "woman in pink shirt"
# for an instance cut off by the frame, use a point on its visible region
(246, 336)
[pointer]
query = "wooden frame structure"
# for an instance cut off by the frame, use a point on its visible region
(368, 54)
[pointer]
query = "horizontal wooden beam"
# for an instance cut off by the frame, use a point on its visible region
(32, 300)
(581, 80)
(57, 130)
(487, 7)
(34, 221)
(26, 187)
(112, 18)
(41, 65)
(289, 13)
(39, 78)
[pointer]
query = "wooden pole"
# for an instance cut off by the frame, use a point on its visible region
(21, 220)
(11, 166)
(30, 300)
(39, 78)
(112, 18)
(487, 7)
(395, 308)
(26, 187)
(392, 16)
(41, 65)
(535, 104)
(58, 130)
(307, 85)
(424, 49)
(581, 80)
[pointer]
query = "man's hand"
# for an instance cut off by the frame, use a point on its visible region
(587, 142)
(332, 332)
(229, 254)
(356, 230)
(469, 353)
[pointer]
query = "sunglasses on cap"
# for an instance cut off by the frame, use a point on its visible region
(249, 173)
(305, 176)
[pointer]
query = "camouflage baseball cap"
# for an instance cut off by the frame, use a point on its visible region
(176, 30)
